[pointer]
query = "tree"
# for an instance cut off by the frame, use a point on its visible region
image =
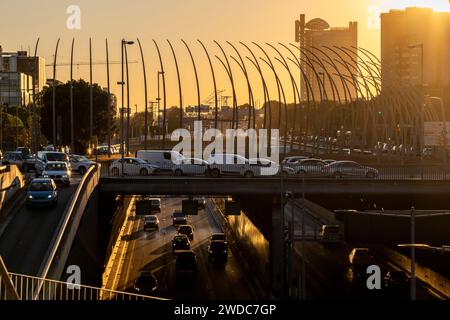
(81, 111)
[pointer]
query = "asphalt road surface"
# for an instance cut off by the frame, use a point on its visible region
(27, 233)
(152, 251)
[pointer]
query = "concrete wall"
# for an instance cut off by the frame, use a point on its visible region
(8, 176)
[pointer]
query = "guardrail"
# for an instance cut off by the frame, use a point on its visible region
(54, 263)
(62, 291)
(11, 180)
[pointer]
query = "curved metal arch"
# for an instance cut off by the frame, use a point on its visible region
(294, 89)
(108, 87)
(271, 66)
(265, 89)
(277, 81)
(54, 94)
(196, 79)
(33, 119)
(164, 93)
(251, 102)
(180, 94)
(145, 94)
(308, 86)
(250, 91)
(128, 127)
(72, 137)
(235, 121)
(216, 100)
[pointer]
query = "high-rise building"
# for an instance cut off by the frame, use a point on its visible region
(415, 50)
(328, 55)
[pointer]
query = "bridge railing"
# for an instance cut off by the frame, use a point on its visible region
(351, 172)
(63, 291)
(52, 267)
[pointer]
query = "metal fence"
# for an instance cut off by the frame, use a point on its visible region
(27, 286)
(350, 171)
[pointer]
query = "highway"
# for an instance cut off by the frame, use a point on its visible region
(151, 251)
(26, 234)
(328, 271)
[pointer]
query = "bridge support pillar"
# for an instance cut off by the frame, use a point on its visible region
(276, 247)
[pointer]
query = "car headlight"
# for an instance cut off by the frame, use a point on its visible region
(30, 197)
(46, 176)
(66, 176)
(49, 196)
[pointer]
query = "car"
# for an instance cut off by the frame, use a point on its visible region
(45, 156)
(218, 237)
(331, 233)
(155, 204)
(58, 171)
(42, 191)
(15, 158)
(339, 169)
(291, 161)
(29, 158)
(132, 166)
(229, 164)
(180, 242)
(191, 166)
(187, 230)
(164, 159)
(178, 218)
(146, 283)
(186, 262)
(266, 167)
(218, 251)
(310, 167)
(329, 161)
(151, 222)
(360, 257)
(396, 280)
(80, 164)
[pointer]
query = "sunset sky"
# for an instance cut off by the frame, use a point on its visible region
(22, 22)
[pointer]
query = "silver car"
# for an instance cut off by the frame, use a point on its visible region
(80, 163)
(310, 167)
(58, 171)
(341, 169)
(132, 166)
(191, 166)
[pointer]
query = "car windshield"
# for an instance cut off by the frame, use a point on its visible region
(57, 156)
(151, 218)
(218, 237)
(147, 281)
(155, 202)
(81, 158)
(184, 229)
(138, 160)
(55, 167)
(41, 186)
(178, 214)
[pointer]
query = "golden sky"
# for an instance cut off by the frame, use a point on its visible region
(22, 22)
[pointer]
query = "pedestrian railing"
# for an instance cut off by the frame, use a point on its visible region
(25, 287)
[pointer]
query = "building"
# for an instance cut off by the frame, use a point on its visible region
(415, 50)
(15, 86)
(318, 42)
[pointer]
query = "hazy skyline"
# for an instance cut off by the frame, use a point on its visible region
(233, 20)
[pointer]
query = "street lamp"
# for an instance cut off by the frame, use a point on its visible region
(122, 83)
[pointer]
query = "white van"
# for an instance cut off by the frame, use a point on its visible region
(229, 164)
(164, 159)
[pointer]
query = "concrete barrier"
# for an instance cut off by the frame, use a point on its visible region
(11, 180)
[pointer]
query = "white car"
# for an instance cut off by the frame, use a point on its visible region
(191, 166)
(132, 166)
(80, 163)
(164, 159)
(43, 157)
(339, 169)
(58, 171)
(229, 164)
(266, 167)
(310, 167)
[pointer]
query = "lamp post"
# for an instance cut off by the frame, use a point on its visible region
(122, 83)
(413, 254)
(158, 100)
(72, 138)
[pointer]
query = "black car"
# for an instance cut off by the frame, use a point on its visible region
(396, 280)
(218, 251)
(186, 262)
(179, 218)
(180, 243)
(146, 283)
(187, 230)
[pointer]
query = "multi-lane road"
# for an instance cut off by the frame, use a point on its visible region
(152, 251)
(26, 234)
